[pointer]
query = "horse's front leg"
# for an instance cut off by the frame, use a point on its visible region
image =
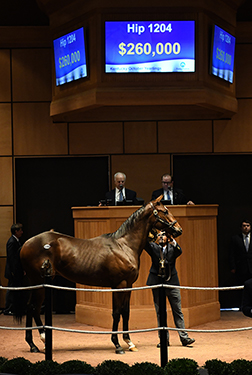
(117, 301)
(125, 317)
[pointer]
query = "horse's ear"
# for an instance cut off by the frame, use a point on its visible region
(158, 199)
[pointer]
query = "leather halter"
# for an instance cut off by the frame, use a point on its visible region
(158, 218)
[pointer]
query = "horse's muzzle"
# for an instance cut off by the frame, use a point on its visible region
(177, 232)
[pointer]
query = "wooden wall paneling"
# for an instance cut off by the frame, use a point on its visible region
(6, 221)
(185, 136)
(5, 126)
(90, 228)
(143, 172)
(6, 188)
(31, 74)
(244, 32)
(35, 133)
(5, 92)
(25, 36)
(235, 135)
(96, 138)
(243, 70)
(140, 137)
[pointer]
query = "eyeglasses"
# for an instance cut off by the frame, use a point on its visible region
(165, 182)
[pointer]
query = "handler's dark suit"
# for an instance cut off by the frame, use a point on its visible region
(129, 195)
(12, 249)
(178, 195)
(247, 298)
(173, 295)
(240, 258)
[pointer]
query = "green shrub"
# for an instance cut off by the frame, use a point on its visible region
(181, 366)
(19, 365)
(45, 368)
(241, 367)
(2, 360)
(145, 368)
(112, 368)
(76, 367)
(217, 367)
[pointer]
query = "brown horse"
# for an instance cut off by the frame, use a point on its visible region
(110, 260)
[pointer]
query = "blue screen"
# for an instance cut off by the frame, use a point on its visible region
(149, 46)
(70, 57)
(223, 52)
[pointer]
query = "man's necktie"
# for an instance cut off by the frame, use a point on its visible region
(121, 196)
(247, 242)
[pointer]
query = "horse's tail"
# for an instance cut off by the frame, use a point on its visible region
(20, 297)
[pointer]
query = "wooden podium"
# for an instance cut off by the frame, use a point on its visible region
(197, 266)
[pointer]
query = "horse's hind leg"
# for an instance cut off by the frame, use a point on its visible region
(28, 334)
(125, 317)
(121, 306)
(33, 311)
(39, 298)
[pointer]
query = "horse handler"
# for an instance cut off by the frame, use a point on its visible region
(167, 250)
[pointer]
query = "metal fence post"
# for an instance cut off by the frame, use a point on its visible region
(163, 323)
(48, 318)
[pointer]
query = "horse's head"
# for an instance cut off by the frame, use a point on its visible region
(164, 218)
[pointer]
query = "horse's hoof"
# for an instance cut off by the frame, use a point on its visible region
(134, 349)
(34, 349)
(120, 350)
(42, 337)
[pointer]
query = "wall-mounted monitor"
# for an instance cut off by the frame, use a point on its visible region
(70, 57)
(149, 46)
(222, 54)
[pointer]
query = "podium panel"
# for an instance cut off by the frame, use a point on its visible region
(197, 266)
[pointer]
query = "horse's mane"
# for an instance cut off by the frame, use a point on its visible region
(128, 224)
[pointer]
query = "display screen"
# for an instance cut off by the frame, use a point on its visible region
(149, 46)
(70, 57)
(223, 53)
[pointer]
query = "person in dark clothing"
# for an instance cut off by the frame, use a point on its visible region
(247, 298)
(171, 251)
(170, 193)
(240, 253)
(12, 250)
(120, 193)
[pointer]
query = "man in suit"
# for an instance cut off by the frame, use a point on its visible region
(247, 298)
(240, 253)
(120, 193)
(170, 252)
(174, 195)
(12, 250)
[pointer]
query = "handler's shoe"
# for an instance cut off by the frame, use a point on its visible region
(187, 341)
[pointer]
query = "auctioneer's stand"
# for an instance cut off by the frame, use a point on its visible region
(197, 266)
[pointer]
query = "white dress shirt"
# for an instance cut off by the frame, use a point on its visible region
(117, 194)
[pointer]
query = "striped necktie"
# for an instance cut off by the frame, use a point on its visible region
(121, 196)
(247, 242)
